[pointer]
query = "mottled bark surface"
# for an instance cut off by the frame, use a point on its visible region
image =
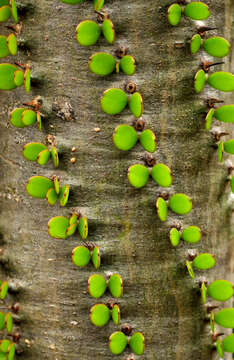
(159, 297)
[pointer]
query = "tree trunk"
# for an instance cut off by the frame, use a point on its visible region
(159, 297)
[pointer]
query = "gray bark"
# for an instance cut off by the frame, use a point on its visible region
(159, 297)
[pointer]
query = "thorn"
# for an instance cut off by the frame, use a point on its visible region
(212, 101)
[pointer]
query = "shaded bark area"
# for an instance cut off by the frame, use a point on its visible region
(159, 297)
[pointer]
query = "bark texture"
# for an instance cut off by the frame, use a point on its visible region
(159, 297)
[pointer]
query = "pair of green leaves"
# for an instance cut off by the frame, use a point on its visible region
(8, 8)
(226, 146)
(125, 138)
(227, 345)
(22, 117)
(82, 255)
(12, 77)
(224, 113)
(114, 100)
(60, 227)
(105, 64)
(88, 32)
(100, 314)
(7, 350)
(191, 234)
(215, 46)
(97, 285)
(6, 322)
(195, 10)
(118, 341)
(180, 204)
(97, 4)
(40, 153)
(220, 80)
(138, 175)
(202, 261)
(42, 187)
(3, 289)
(8, 45)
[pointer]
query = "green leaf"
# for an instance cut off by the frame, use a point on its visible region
(73, 219)
(115, 285)
(148, 140)
(228, 146)
(27, 80)
(12, 44)
(197, 10)
(102, 63)
(162, 175)
(174, 237)
(51, 196)
(125, 137)
(228, 343)
(128, 65)
(138, 175)
(83, 227)
(225, 318)
(5, 13)
(113, 101)
(221, 80)
(220, 290)
(225, 113)
(15, 117)
(88, 33)
(232, 184)
(4, 51)
(57, 227)
(8, 322)
(18, 78)
(2, 320)
(219, 348)
(38, 186)
(108, 31)
(32, 150)
(199, 80)
(7, 75)
(181, 204)
(97, 285)
(28, 117)
(72, 2)
(64, 195)
(195, 43)
(162, 208)
(56, 183)
(11, 353)
(204, 261)
(43, 157)
(116, 314)
(98, 4)
(55, 157)
(81, 256)
(174, 14)
(96, 257)
(14, 10)
(39, 124)
(4, 345)
(3, 290)
(190, 269)
(137, 343)
(136, 104)
(217, 46)
(117, 342)
(192, 234)
(208, 119)
(71, 230)
(99, 315)
(220, 151)
(203, 292)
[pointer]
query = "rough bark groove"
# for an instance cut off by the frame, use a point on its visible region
(159, 297)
